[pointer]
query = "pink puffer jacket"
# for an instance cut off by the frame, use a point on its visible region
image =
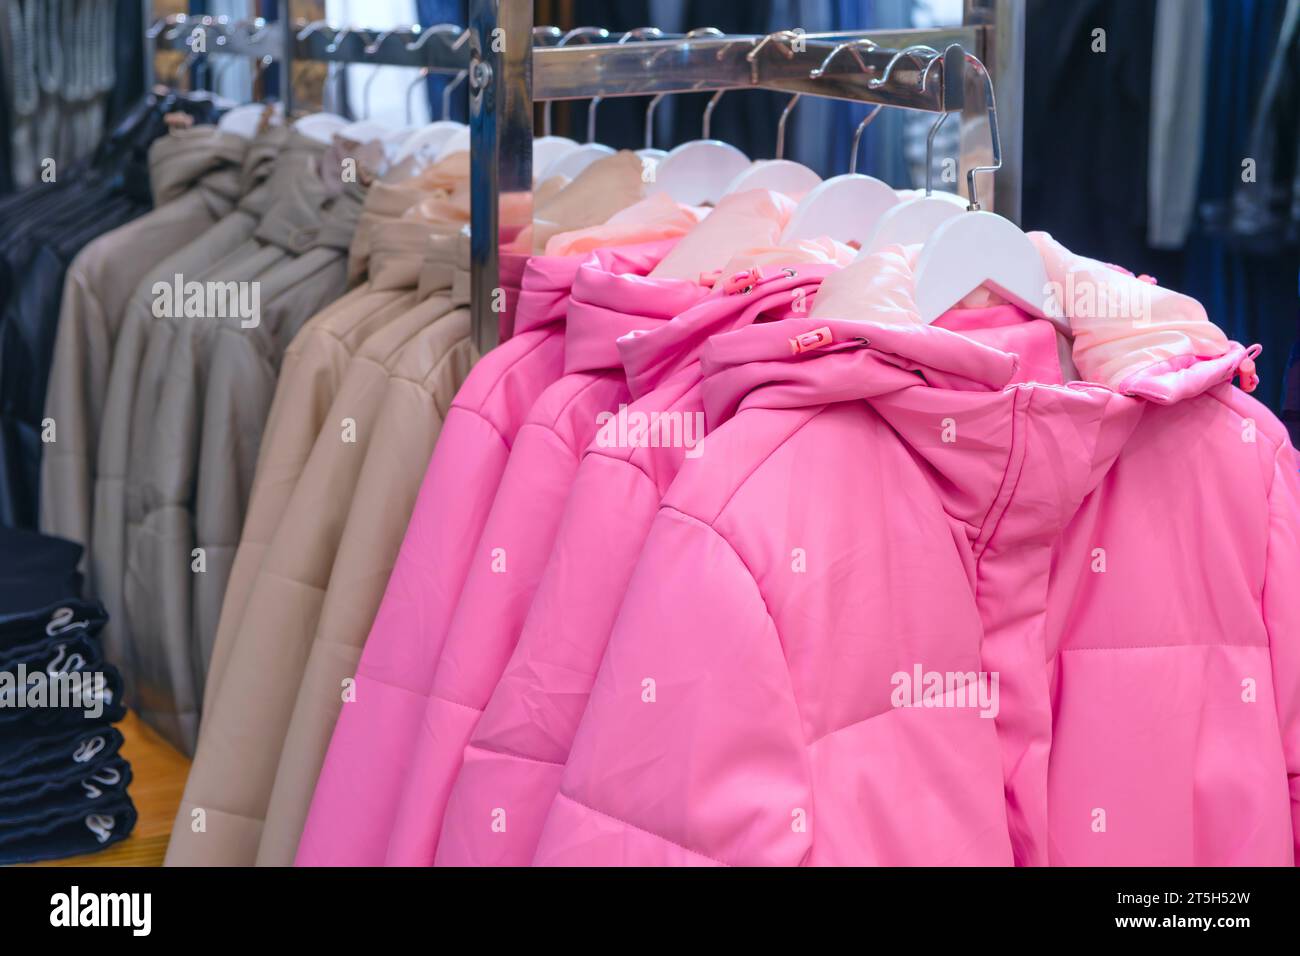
(356, 794)
(513, 764)
(612, 296)
(892, 544)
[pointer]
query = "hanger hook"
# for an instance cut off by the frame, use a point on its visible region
(339, 37)
(780, 125)
(420, 76)
(995, 137)
(542, 34)
(374, 72)
(877, 82)
(640, 33)
(373, 48)
(818, 72)
(447, 91)
(857, 135)
(659, 97)
(708, 113)
(752, 56)
(599, 33)
(311, 28)
(425, 35)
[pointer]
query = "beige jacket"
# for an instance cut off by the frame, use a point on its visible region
(239, 748)
(194, 175)
(311, 373)
(113, 452)
(428, 374)
(296, 261)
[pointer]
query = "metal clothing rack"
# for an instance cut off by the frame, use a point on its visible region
(511, 65)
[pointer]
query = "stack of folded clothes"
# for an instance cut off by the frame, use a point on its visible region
(62, 778)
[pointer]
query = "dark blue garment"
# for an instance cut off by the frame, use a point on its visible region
(79, 686)
(30, 758)
(59, 618)
(68, 834)
(36, 570)
(85, 790)
(100, 778)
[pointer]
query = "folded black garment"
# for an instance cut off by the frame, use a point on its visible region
(28, 760)
(58, 682)
(85, 791)
(36, 570)
(66, 616)
(68, 834)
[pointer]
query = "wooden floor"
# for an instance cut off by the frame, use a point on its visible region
(158, 778)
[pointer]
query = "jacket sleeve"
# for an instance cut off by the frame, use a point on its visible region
(494, 601)
(517, 754)
(1282, 616)
(691, 751)
(357, 794)
(73, 398)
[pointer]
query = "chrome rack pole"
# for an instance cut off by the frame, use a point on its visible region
(501, 142)
(1001, 25)
(288, 37)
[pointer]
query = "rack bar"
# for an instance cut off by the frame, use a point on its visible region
(644, 68)
(438, 53)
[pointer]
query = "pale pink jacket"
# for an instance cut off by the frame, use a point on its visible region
(513, 763)
(878, 498)
(612, 296)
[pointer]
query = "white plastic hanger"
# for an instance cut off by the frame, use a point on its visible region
(779, 175)
(322, 126)
(698, 172)
(573, 161)
(979, 248)
(848, 207)
(366, 129)
(913, 221)
(246, 120)
(549, 150)
(432, 141)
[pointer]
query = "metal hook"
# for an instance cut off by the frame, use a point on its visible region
(373, 48)
(640, 33)
(599, 33)
(658, 97)
(339, 37)
(818, 72)
(422, 75)
(365, 89)
(876, 82)
(857, 135)
(752, 56)
(447, 91)
(780, 125)
(311, 28)
(994, 135)
(708, 112)
(546, 33)
(425, 35)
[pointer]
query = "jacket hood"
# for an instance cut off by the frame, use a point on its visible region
(185, 156)
(1128, 336)
(613, 294)
(649, 356)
